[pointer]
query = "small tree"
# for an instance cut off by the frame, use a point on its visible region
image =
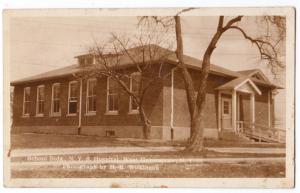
(138, 60)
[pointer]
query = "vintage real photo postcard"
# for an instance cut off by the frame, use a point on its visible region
(185, 97)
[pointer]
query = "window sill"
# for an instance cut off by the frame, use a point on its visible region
(90, 114)
(25, 116)
(133, 112)
(112, 113)
(39, 115)
(71, 115)
(55, 115)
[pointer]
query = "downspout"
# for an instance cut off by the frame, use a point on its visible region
(80, 108)
(172, 104)
(269, 109)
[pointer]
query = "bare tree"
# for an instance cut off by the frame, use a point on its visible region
(137, 60)
(196, 103)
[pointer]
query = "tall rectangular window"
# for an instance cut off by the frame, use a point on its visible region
(73, 97)
(55, 105)
(134, 88)
(91, 96)
(112, 96)
(26, 102)
(40, 100)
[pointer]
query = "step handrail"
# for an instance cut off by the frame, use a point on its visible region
(262, 132)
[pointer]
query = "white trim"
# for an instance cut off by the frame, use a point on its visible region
(69, 92)
(108, 112)
(269, 108)
(80, 106)
(111, 113)
(132, 111)
(238, 107)
(225, 99)
(172, 99)
(251, 83)
(37, 101)
(219, 110)
(252, 103)
(52, 113)
(233, 110)
(23, 113)
(87, 112)
(260, 73)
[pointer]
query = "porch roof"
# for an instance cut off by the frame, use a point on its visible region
(235, 84)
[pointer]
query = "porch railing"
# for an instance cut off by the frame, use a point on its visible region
(240, 126)
(261, 132)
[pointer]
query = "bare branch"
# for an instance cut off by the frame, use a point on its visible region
(221, 21)
(184, 10)
(266, 49)
(232, 21)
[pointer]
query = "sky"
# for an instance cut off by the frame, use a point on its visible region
(40, 44)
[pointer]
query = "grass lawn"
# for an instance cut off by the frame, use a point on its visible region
(53, 141)
(269, 168)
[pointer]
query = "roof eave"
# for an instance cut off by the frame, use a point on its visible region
(273, 86)
(15, 83)
(199, 68)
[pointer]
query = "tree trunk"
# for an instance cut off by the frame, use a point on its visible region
(146, 123)
(196, 141)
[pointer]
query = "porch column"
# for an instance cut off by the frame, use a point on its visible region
(269, 109)
(233, 113)
(237, 107)
(252, 99)
(219, 110)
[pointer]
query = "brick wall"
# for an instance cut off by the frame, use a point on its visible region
(261, 107)
(181, 112)
(47, 119)
(153, 106)
(157, 106)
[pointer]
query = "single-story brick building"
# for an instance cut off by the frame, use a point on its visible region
(58, 102)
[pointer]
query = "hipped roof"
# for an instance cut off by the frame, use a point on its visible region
(141, 54)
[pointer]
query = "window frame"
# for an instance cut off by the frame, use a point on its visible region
(87, 96)
(37, 101)
(87, 62)
(109, 112)
(224, 109)
(52, 100)
(132, 111)
(24, 102)
(69, 93)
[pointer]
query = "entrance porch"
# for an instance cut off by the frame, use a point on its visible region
(236, 111)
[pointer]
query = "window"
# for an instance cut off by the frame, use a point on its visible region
(85, 60)
(91, 96)
(73, 97)
(257, 76)
(112, 96)
(26, 102)
(110, 133)
(89, 60)
(226, 108)
(81, 61)
(40, 100)
(55, 105)
(134, 88)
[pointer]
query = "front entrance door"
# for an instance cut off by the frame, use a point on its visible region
(226, 114)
